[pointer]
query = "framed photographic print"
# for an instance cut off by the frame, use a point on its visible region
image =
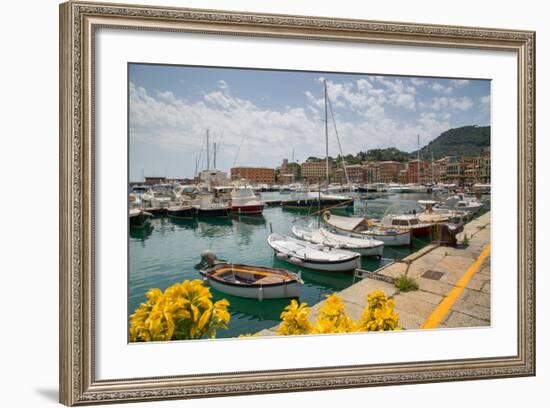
(258, 203)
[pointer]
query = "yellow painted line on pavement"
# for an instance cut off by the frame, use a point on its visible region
(447, 303)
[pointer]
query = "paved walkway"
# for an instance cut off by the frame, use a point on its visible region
(454, 284)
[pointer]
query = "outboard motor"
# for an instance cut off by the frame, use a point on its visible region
(208, 259)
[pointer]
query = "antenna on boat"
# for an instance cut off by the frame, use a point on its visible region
(214, 154)
(207, 150)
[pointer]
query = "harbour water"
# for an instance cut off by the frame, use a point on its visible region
(168, 252)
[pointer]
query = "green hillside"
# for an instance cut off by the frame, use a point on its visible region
(463, 141)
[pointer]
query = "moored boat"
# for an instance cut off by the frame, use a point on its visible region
(185, 211)
(365, 247)
(363, 228)
(245, 202)
(313, 200)
(313, 256)
(436, 215)
(406, 222)
(250, 281)
(138, 218)
(208, 207)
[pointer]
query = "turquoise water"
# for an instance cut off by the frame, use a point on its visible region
(167, 253)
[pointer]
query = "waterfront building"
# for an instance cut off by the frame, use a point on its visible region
(150, 181)
(356, 173)
(439, 170)
(289, 172)
(389, 171)
(371, 171)
(453, 170)
(417, 172)
(254, 174)
(313, 171)
(484, 166)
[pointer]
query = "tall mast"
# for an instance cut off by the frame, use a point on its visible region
(433, 175)
(418, 156)
(326, 128)
(207, 150)
(215, 155)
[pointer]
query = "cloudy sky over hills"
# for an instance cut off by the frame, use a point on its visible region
(270, 113)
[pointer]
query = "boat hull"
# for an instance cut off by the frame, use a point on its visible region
(214, 212)
(182, 213)
(398, 239)
(156, 211)
(247, 209)
(374, 250)
(341, 266)
(305, 204)
(282, 291)
(140, 220)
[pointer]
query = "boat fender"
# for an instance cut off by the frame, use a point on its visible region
(295, 260)
(261, 293)
(281, 256)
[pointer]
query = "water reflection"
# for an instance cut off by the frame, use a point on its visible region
(141, 234)
(214, 227)
(189, 224)
(267, 309)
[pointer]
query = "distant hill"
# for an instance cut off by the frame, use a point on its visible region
(462, 141)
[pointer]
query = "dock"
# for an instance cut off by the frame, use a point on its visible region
(454, 284)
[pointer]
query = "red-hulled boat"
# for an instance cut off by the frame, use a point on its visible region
(245, 202)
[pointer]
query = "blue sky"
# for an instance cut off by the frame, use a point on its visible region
(269, 114)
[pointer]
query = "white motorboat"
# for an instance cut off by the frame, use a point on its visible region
(160, 197)
(363, 228)
(399, 188)
(313, 256)
(461, 202)
(435, 215)
(365, 247)
(406, 222)
(245, 202)
(208, 206)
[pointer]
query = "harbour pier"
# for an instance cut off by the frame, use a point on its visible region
(454, 284)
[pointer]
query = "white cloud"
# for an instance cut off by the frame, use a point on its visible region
(171, 123)
(418, 82)
(459, 83)
(222, 85)
(437, 87)
(444, 102)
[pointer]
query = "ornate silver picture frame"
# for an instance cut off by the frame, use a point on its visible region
(79, 22)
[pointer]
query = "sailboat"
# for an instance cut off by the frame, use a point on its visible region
(207, 205)
(319, 199)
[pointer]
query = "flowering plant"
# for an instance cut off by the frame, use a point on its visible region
(378, 315)
(183, 311)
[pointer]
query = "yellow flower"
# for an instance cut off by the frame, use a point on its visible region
(182, 311)
(295, 319)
